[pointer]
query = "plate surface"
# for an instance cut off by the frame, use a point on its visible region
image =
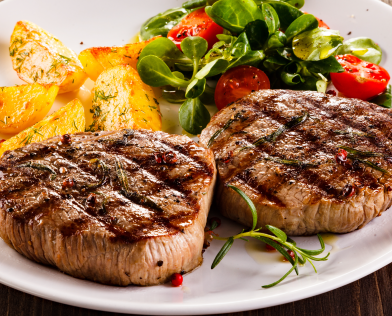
(235, 285)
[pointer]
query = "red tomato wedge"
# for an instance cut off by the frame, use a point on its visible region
(239, 82)
(321, 22)
(196, 23)
(361, 79)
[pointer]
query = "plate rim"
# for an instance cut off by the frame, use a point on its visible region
(209, 308)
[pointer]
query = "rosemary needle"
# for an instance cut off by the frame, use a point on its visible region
(278, 240)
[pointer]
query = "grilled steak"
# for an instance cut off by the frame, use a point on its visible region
(284, 150)
(124, 207)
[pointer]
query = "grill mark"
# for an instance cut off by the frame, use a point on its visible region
(263, 190)
(356, 110)
(312, 177)
(192, 208)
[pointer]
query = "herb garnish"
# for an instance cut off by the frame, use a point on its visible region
(369, 164)
(292, 162)
(279, 241)
(273, 136)
(105, 169)
(38, 166)
(360, 153)
(225, 127)
(133, 196)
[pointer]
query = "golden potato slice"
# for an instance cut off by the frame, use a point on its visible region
(37, 56)
(68, 120)
(122, 100)
(97, 59)
(23, 106)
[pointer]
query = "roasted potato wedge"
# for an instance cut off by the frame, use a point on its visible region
(23, 106)
(37, 56)
(122, 100)
(97, 59)
(68, 120)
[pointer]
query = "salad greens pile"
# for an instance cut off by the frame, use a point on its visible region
(273, 35)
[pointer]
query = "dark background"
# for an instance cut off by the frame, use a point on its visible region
(369, 296)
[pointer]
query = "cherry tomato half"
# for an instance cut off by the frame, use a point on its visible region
(239, 82)
(361, 79)
(196, 23)
(321, 22)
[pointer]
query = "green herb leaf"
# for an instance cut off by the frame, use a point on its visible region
(277, 232)
(38, 166)
(193, 116)
(292, 162)
(369, 164)
(360, 153)
(279, 248)
(105, 169)
(285, 276)
(222, 253)
(250, 204)
(315, 252)
(273, 136)
(221, 130)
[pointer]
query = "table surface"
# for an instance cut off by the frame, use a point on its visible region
(371, 295)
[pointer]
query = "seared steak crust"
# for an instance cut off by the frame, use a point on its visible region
(294, 177)
(125, 207)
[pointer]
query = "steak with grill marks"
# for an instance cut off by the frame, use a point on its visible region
(284, 150)
(124, 207)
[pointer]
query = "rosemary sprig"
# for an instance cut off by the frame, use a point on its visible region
(273, 136)
(369, 164)
(360, 153)
(133, 196)
(292, 162)
(38, 166)
(278, 240)
(225, 127)
(105, 169)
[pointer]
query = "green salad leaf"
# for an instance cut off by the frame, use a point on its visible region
(195, 88)
(362, 47)
(193, 116)
(234, 15)
(306, 22)
(162, 23)
(286, 12)
(193, 4)
(257, 34)
(270, 17)
(385, 99)
(317, 44)
(156, 73)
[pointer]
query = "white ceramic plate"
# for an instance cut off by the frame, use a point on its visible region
(235, 285)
